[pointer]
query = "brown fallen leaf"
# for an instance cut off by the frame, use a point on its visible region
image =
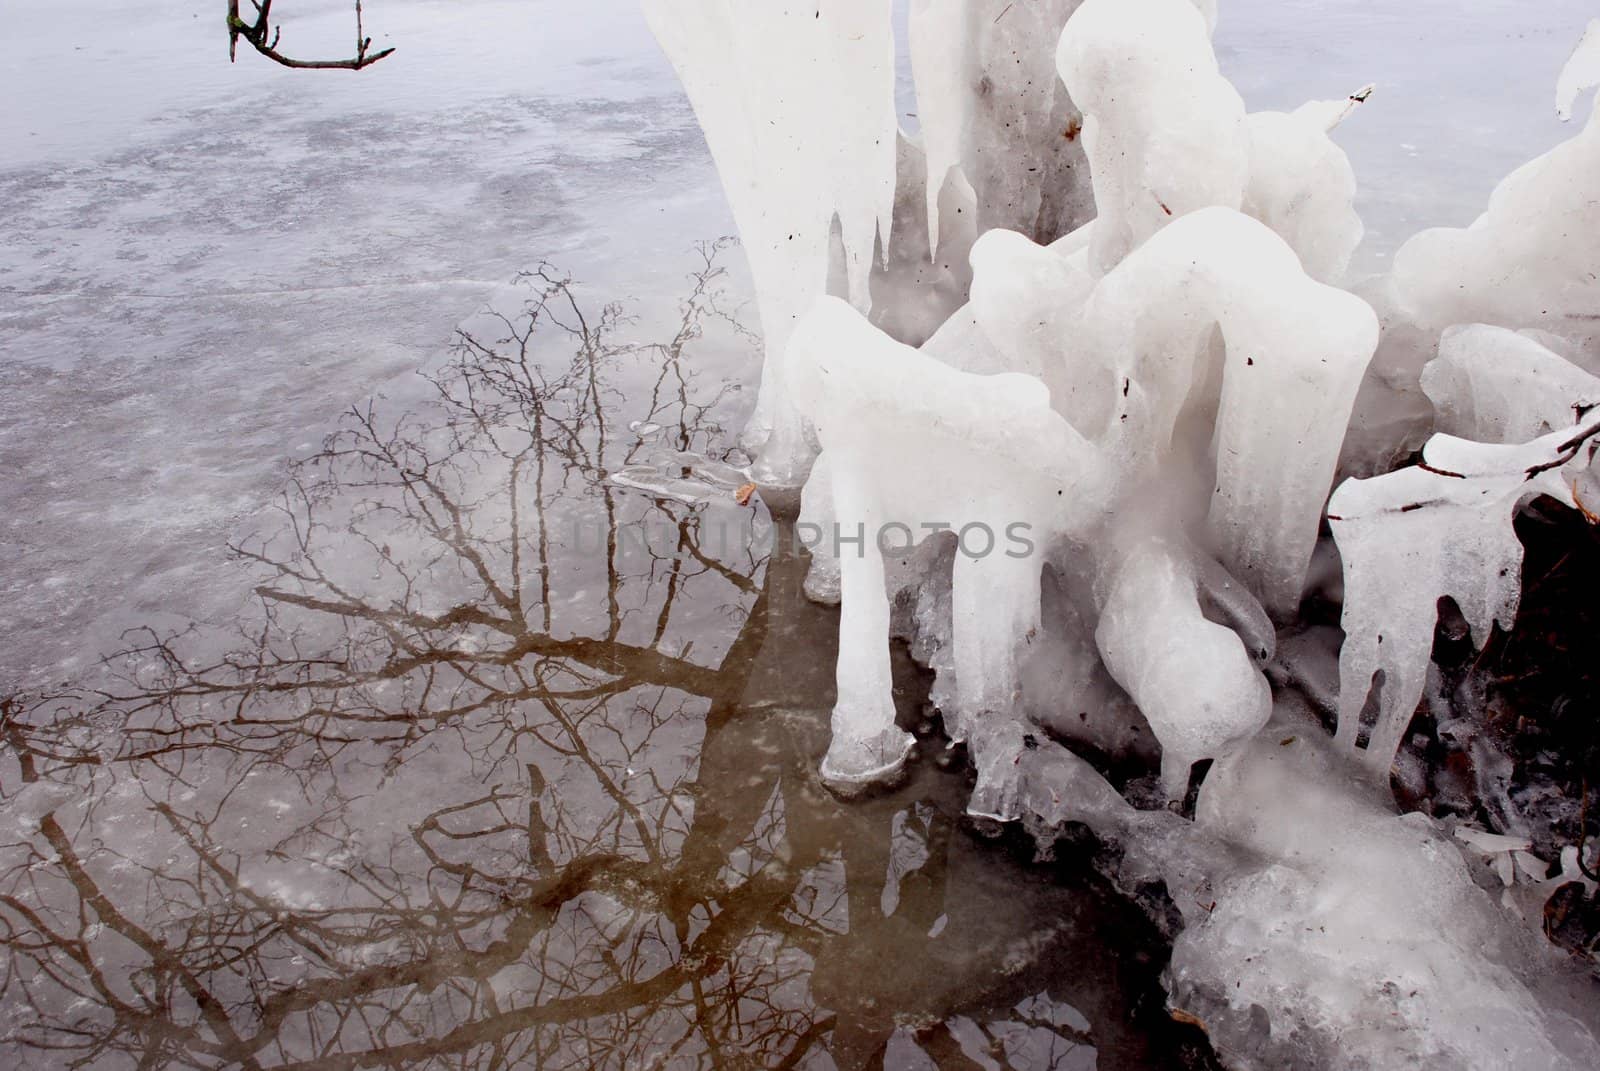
(742, 495)
(1590, 515)
(1184, 1017)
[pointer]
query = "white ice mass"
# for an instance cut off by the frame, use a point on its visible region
(797, 103)
(1093, 303)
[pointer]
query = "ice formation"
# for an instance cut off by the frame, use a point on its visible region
(797, 106)
(995, 121)
(1416, 535)
(1526, 264)
(909, 442)
(1582, 71)
(1515, 418)
(1302, 186)
(1157, 643)
(1320, 929)
(1076, 450)
(1164, 132)
(1373, 932)
(1293, 353)
(1499, 386)
(1205, 372)
(1530, 260)
(898, 452)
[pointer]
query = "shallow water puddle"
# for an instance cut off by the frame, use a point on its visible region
(508, 766)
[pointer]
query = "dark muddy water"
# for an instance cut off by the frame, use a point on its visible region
(506, 766)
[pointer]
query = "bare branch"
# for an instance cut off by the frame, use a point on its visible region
(264, 39)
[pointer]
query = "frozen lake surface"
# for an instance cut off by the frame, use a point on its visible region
(203, 264)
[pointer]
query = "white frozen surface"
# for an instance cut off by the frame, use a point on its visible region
(202, 264)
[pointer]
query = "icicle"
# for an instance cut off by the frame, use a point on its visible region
(915, 292)
(992, 110)
(914, 446)
(797, 106)
(941, 65)
(1415, 535)
(866, 746)
(822, 584)
(1295, 354)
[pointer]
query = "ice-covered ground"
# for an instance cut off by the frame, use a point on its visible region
(201, 264)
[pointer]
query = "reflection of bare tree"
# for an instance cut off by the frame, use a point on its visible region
(463, 795)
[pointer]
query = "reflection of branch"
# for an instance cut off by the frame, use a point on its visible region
(740, 914)
(264, 39)
(162, 956)
(640, 665)
(397, 654)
